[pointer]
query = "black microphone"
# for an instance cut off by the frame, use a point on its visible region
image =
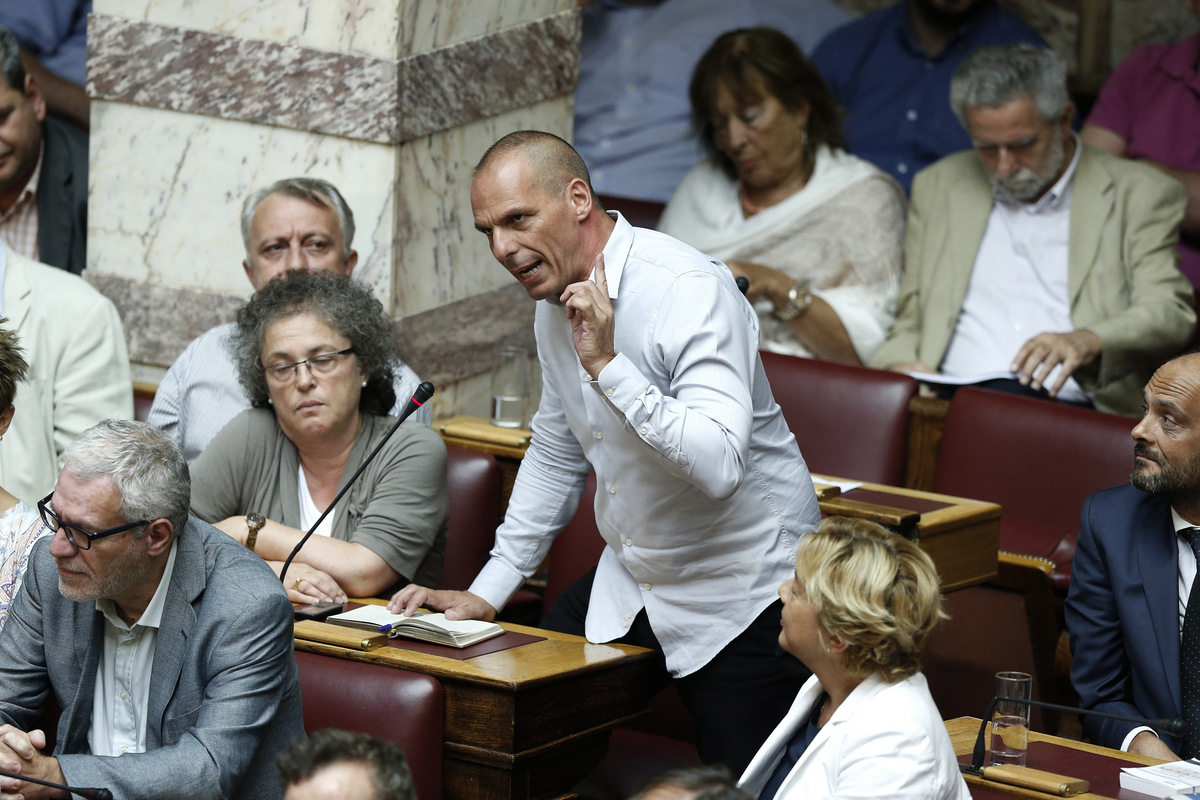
(94, 794)
(1173, 727)
(419, 398)
(743, 283)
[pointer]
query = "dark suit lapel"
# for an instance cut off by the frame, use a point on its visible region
(1158, 569)
(54, 199)
(175, 628)
(1091, 207)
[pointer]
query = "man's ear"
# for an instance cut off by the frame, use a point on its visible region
(33, 93)
(580, 197)
(158, 535)
(6, 417)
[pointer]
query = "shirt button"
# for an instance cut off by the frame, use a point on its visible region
(628, 541)
(124, 696)
(642, 430)
(646, 586)
(608, 392)
(628, 615)
(902, 168)
(124, 749)
(911, 116)
(612, 489)
(606, 143)
(599, 434)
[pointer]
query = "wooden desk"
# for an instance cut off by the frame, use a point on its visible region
(529, 722)
(961, 536)
(1105, 765)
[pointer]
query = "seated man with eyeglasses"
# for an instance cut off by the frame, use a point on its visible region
(315, 352)
(167, 646)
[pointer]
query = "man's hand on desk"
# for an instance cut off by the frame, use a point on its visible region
(455, 604)
(1147, 744)
(19, 752)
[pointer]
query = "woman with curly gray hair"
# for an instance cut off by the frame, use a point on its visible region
(857, 613)
(314, 354)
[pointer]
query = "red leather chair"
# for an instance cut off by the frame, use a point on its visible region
(473, 480)
(1038, 460)
(850, 422)
(403, 707)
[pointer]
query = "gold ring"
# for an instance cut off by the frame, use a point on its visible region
(296, 585)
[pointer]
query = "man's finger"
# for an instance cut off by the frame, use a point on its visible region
(598, 269)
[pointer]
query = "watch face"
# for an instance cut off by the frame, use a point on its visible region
(255, 521)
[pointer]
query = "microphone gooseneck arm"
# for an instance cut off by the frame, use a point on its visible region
(92, 794)
(419, 398)
(1173, 727)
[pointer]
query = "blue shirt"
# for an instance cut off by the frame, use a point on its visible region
(897, 99)
(632, 115)
(53, 30)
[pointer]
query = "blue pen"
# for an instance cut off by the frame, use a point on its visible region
(385, 628)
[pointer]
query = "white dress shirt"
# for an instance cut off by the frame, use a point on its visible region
(702, 490)
(1019, 285)
(123, 674)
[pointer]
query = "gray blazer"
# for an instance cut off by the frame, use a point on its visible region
(224, 692)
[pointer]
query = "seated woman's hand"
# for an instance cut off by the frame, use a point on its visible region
(764, 281)
(307, 585)
(456, 604)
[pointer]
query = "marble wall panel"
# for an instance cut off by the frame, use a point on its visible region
(364, 27)
(429, 24)
(167, 189)
(441, 257)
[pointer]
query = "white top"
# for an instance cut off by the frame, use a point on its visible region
(702, 490)
(309, 513)
(123, 674)
(1019, 285)
(885, 740)
(842, 236)
(201, 392)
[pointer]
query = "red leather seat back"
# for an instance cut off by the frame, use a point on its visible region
(473, 480)
(1038, 460)
(576, 550)
(850, 422)
(396, 705)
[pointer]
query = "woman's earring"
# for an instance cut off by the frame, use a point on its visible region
(364, 384)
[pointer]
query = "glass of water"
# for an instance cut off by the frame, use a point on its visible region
(1010, 722)
(510, 388)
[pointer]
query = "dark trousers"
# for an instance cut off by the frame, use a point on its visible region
(737, 698)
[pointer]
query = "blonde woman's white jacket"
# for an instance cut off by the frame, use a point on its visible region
(885, 740)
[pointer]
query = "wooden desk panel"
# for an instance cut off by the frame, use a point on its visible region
(962, 538)
(528, 722)
(964, 730)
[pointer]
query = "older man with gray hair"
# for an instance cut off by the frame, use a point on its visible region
(1035, 264)
(295, 223)
(167, 644)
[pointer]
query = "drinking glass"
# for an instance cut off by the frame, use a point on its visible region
(1010, 721)
(510, 388)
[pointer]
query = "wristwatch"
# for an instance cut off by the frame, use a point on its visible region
(799, 298)
(255, 522)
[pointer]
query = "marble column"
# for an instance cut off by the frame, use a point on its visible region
(198, 102)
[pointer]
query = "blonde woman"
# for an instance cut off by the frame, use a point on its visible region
(857, 613)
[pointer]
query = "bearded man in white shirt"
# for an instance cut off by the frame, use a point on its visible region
(651, 376)
(1036, 257)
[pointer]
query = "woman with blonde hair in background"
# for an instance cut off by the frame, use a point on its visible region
(857, 614)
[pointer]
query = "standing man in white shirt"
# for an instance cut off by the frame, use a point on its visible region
(1036, 255)
(651, 376)
(293, 224)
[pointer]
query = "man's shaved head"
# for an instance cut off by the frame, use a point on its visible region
(555, 162)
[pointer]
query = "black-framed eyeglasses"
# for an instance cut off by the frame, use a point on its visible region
(76, 535)
(321, 364)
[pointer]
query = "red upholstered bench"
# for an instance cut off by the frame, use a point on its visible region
(396, 705)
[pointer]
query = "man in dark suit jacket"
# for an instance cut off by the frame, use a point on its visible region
(31, 142)
(1132, 572)
(167, 645)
